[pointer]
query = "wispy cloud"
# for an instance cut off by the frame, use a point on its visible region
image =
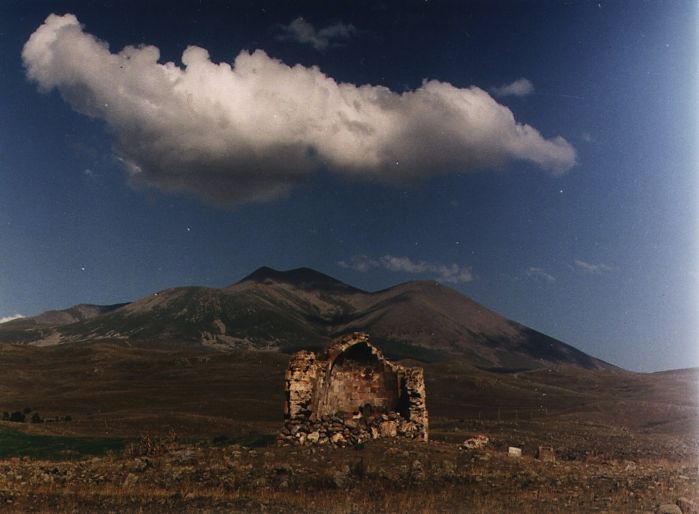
(592, 268)
(5, 319)
(250, 130)
(452, 273)
(540, 273)
(301, 31)
(360, 263)
(520, 87)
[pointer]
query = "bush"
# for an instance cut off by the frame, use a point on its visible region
(36, 418)
(221, 439)
(17, 417)
(149, 445)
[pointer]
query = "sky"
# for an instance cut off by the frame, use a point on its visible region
(538, 157)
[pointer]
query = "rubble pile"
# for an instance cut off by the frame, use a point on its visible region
(340, 431)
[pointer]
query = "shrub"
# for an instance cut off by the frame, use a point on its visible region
(17, 417)
(150, 445)
(221, 439)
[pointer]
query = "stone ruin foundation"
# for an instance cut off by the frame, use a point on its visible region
(351, 395)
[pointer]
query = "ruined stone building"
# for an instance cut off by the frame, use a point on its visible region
(350, 395)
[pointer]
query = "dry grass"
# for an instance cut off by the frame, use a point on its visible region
(194, 498)
(380, 478)
(598, 423)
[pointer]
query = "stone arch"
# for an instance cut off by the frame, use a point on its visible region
(356, 376)
(323, 393)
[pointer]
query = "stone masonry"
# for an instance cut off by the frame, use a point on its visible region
(351, 395)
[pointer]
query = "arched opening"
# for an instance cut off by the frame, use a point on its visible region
(358, 378)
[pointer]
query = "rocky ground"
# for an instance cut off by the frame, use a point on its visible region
(386, 475)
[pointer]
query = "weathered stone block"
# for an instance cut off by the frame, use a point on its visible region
(546, 454)
(513, 451)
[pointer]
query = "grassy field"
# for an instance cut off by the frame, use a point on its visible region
(15, 443)
(113, 390)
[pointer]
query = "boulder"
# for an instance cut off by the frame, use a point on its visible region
(668, 508)
(687, 506)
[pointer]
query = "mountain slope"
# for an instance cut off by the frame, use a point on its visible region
(302, 308)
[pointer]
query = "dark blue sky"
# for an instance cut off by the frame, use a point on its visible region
(599, 250)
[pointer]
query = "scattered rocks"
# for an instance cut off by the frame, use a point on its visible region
(475, 443)
(139, 465)
(130, 480)
(337, 431)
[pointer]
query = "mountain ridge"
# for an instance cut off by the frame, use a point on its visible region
(303, 308)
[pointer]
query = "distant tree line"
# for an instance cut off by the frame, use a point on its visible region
(20, 416)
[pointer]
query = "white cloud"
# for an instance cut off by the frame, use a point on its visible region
(445, 272)
(303, 32)
(359, 263)
(589, 267)
(250, 130)
(520, 87)
(541, 274)
(5, 319)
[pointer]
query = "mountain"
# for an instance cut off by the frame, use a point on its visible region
(80, 312)
(303, 308)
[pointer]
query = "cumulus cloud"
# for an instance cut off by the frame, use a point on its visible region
(303, 32)
(5, 319)
(595, 269)
(445, 272)
(520, 87)
(540, 273)
(250, 130)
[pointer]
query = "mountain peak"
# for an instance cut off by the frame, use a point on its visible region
(304, 278)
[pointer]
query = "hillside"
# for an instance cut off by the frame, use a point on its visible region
(303, 308)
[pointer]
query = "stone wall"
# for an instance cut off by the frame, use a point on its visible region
(300, 379)
(351, 395)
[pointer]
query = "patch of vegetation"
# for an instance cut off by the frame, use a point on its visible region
(21, 331)
(14, 443)
(397, 350)
(249, 441)
(499, 369)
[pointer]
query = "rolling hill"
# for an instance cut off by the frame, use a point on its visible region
(303, 308)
